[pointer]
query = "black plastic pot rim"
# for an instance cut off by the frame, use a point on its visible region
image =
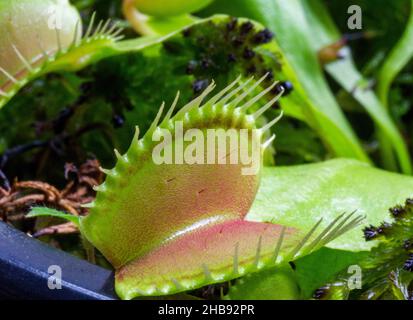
(30, 269)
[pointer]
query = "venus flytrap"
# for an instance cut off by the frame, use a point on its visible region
(173, 227)
(168, 228)
(39, 37)
(31, 31)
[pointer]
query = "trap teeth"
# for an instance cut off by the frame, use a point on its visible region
(99, 188)
(272, 122)
(267, 143)
(118, 155)
(269, 104)
(108, 172)
(88, 205)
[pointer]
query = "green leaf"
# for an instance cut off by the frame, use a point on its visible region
(317, 269)
(395, 62)
(323, 32)
(401, 54)
(48, 212)
(273, 284)
(298, 196)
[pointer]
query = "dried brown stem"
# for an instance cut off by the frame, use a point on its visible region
(23, 195)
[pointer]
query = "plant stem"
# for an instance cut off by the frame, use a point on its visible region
(136, 19)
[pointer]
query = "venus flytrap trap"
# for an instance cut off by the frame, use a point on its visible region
(168, 228)
(99, 41)
(39, 37)
(31, 31)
